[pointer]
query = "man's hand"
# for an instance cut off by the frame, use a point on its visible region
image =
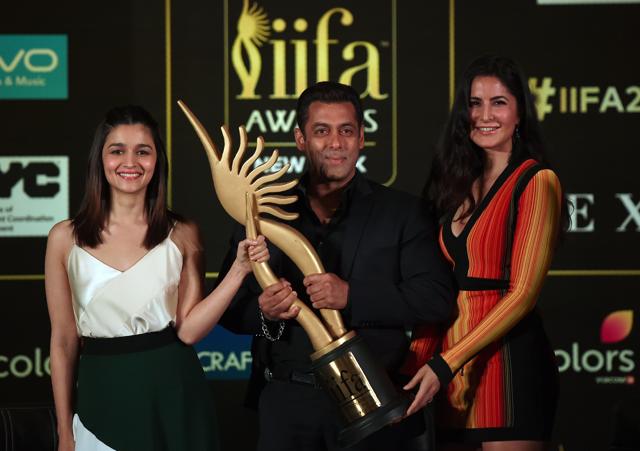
(276, 301)
(327, 291)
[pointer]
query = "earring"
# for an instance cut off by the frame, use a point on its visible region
(516, 133)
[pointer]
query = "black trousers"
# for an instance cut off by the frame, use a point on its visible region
(296, 417)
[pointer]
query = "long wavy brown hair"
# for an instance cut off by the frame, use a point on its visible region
(459, 161)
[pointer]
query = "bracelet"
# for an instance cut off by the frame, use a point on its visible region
(265, 329)
(441, 368)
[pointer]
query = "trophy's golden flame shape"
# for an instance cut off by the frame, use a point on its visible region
(245, 194)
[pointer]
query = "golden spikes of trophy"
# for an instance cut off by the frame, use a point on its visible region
(343, 364)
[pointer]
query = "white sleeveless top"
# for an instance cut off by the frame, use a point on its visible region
(112, 303)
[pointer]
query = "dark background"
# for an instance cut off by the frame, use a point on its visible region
(118, 54)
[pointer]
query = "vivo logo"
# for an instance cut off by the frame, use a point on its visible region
(37, 60)
(34, 66)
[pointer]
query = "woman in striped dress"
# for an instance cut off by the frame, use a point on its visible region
(501, 208)
(124, 284)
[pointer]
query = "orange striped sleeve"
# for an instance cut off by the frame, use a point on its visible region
(533, 244)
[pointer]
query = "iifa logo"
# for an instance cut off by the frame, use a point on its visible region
(614, 366)
(254, 31)
(33, 67)
(278, 50)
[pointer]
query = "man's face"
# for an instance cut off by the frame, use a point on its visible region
(332, 140)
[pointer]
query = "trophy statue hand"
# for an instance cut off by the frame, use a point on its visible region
(232, 178)
(238, 188)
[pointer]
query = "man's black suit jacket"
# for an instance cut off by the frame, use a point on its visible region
(396, 273)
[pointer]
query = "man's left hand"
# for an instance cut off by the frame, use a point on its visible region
(327, 291)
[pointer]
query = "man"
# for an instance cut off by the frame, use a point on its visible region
(384, 273)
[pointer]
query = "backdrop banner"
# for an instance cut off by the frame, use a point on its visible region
(245, 62)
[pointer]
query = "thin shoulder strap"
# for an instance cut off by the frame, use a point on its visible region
(521, 183)
(174, 223)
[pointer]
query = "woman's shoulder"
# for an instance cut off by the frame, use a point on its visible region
(531, 170)
(62, 231)
(546, 175)
(542, 184)
(60, 241)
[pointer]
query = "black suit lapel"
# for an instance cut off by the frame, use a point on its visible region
(359, 213)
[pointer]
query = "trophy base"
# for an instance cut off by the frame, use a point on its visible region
(360, 387)
(373, 422)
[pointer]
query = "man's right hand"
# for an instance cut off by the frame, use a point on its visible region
(276, 301)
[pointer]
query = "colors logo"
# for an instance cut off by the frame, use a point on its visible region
(22, 365)
(33, 67)
(616, 326)
(613, 365)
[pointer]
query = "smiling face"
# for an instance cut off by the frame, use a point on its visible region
(332, 141)
(493, 112)
(129, 158)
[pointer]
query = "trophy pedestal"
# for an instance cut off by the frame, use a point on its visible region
(359, 385)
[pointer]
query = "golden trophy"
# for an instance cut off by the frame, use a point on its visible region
(343, 364)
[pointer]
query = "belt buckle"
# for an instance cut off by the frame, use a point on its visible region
(268, 375)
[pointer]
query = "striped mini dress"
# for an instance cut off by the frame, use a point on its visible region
(504, 384)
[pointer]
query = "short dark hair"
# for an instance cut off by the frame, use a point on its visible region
(327, 92)
(96, 203)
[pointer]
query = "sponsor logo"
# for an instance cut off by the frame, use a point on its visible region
(217, 361)
(276, 51)
(582, 213)
(616, 326)
(34, 194)
(33, 67)
(25, 365)
(224, 355)
(297, 163)
(583, 99)
(611, 364)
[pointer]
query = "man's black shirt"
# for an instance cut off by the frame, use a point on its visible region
(383, 244)
(292, 350)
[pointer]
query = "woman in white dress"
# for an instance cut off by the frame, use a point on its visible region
(124, 285)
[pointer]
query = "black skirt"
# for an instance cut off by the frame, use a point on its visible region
(145, 392)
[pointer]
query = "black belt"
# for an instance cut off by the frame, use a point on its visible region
(130, 343)
(479, 284)
(291, 376)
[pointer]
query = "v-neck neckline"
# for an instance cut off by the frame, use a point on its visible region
(480, 207)
(143, 257)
